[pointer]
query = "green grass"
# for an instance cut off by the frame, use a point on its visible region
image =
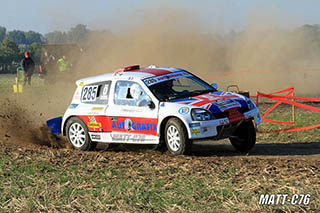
(284, 113)
(8, 80)
(43, 179)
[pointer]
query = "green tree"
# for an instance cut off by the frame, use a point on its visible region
(3, 32)
(17, 36)
(9, 50)
(32, 37)
(78, 34)
(9, 54)
(56, 37)
(36, 51)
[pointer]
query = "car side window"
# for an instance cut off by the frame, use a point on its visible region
(128, 93)
(96, 93)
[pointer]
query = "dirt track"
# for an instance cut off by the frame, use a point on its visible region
(301, 153)
(269, 168)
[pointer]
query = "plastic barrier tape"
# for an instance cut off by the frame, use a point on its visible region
(290, 92)
(284, 99)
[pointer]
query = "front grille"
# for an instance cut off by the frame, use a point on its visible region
(226, 113)
(243, 109)
(221, 114)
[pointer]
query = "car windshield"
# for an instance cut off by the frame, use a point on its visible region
(182, 86)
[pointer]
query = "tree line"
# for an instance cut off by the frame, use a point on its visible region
(14, 43)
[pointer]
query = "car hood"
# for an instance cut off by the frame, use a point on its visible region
(215, 102)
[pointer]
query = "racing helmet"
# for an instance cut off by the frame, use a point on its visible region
(135, 91)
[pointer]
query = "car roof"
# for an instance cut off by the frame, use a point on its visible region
(129, 73)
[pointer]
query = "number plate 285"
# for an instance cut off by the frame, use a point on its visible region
(89, 93)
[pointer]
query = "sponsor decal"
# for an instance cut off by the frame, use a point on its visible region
(93, 113)
(76, 95)
(194, 125)
(158, 79)
(81, 84)
(105, 91)
(127, 137)
(184, 110)
(97, 108)
(162, 104)
(130, 78)
(223, 102)
(222, 122)
(195, 131)
(129, 125)
(95, 137)
(131, 110)
(73, 106)
(93, 123)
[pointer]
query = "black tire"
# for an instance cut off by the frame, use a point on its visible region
(158, 147)
(183, 144)
(77, 134)
(244, 137)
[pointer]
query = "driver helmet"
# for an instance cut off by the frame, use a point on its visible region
(135, 91)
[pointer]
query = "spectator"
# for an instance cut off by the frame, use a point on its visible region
(28, 66)
(64, 64)
(48, 66)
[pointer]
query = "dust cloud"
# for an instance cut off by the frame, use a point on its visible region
(263, 60)
(259, 58)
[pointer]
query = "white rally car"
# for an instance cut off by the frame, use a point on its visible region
(153, 105)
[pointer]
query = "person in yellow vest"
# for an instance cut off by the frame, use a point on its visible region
(18, 86)
(20, 75)
(64, 64)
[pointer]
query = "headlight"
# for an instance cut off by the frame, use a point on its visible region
(201, 115)
(251, 105)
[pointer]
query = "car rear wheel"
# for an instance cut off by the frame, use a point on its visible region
(244, 137)
(77, 133)
(176, 137)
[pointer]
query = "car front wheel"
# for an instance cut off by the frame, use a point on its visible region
(244, 138)
(77, 133)
(176, 137)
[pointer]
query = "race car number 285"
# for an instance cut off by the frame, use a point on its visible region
(89, 93)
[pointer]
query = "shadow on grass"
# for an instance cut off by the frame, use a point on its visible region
(225, 149)
(260, 149)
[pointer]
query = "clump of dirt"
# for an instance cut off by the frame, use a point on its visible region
(44, 136)
(18, 124)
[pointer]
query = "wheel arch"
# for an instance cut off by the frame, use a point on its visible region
(164, 122)
(65, 124)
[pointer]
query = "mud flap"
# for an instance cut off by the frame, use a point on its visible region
(55, 125)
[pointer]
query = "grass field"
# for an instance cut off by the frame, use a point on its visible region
(45, 179)
(213, 178)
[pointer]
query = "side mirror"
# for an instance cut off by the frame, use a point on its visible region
(214, 85)
(146, 102)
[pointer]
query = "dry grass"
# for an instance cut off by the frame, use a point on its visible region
(39, 178)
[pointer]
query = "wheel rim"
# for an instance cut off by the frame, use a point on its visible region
(77, 135)
(173, 138)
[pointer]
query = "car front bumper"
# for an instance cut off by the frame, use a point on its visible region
(220, 128)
